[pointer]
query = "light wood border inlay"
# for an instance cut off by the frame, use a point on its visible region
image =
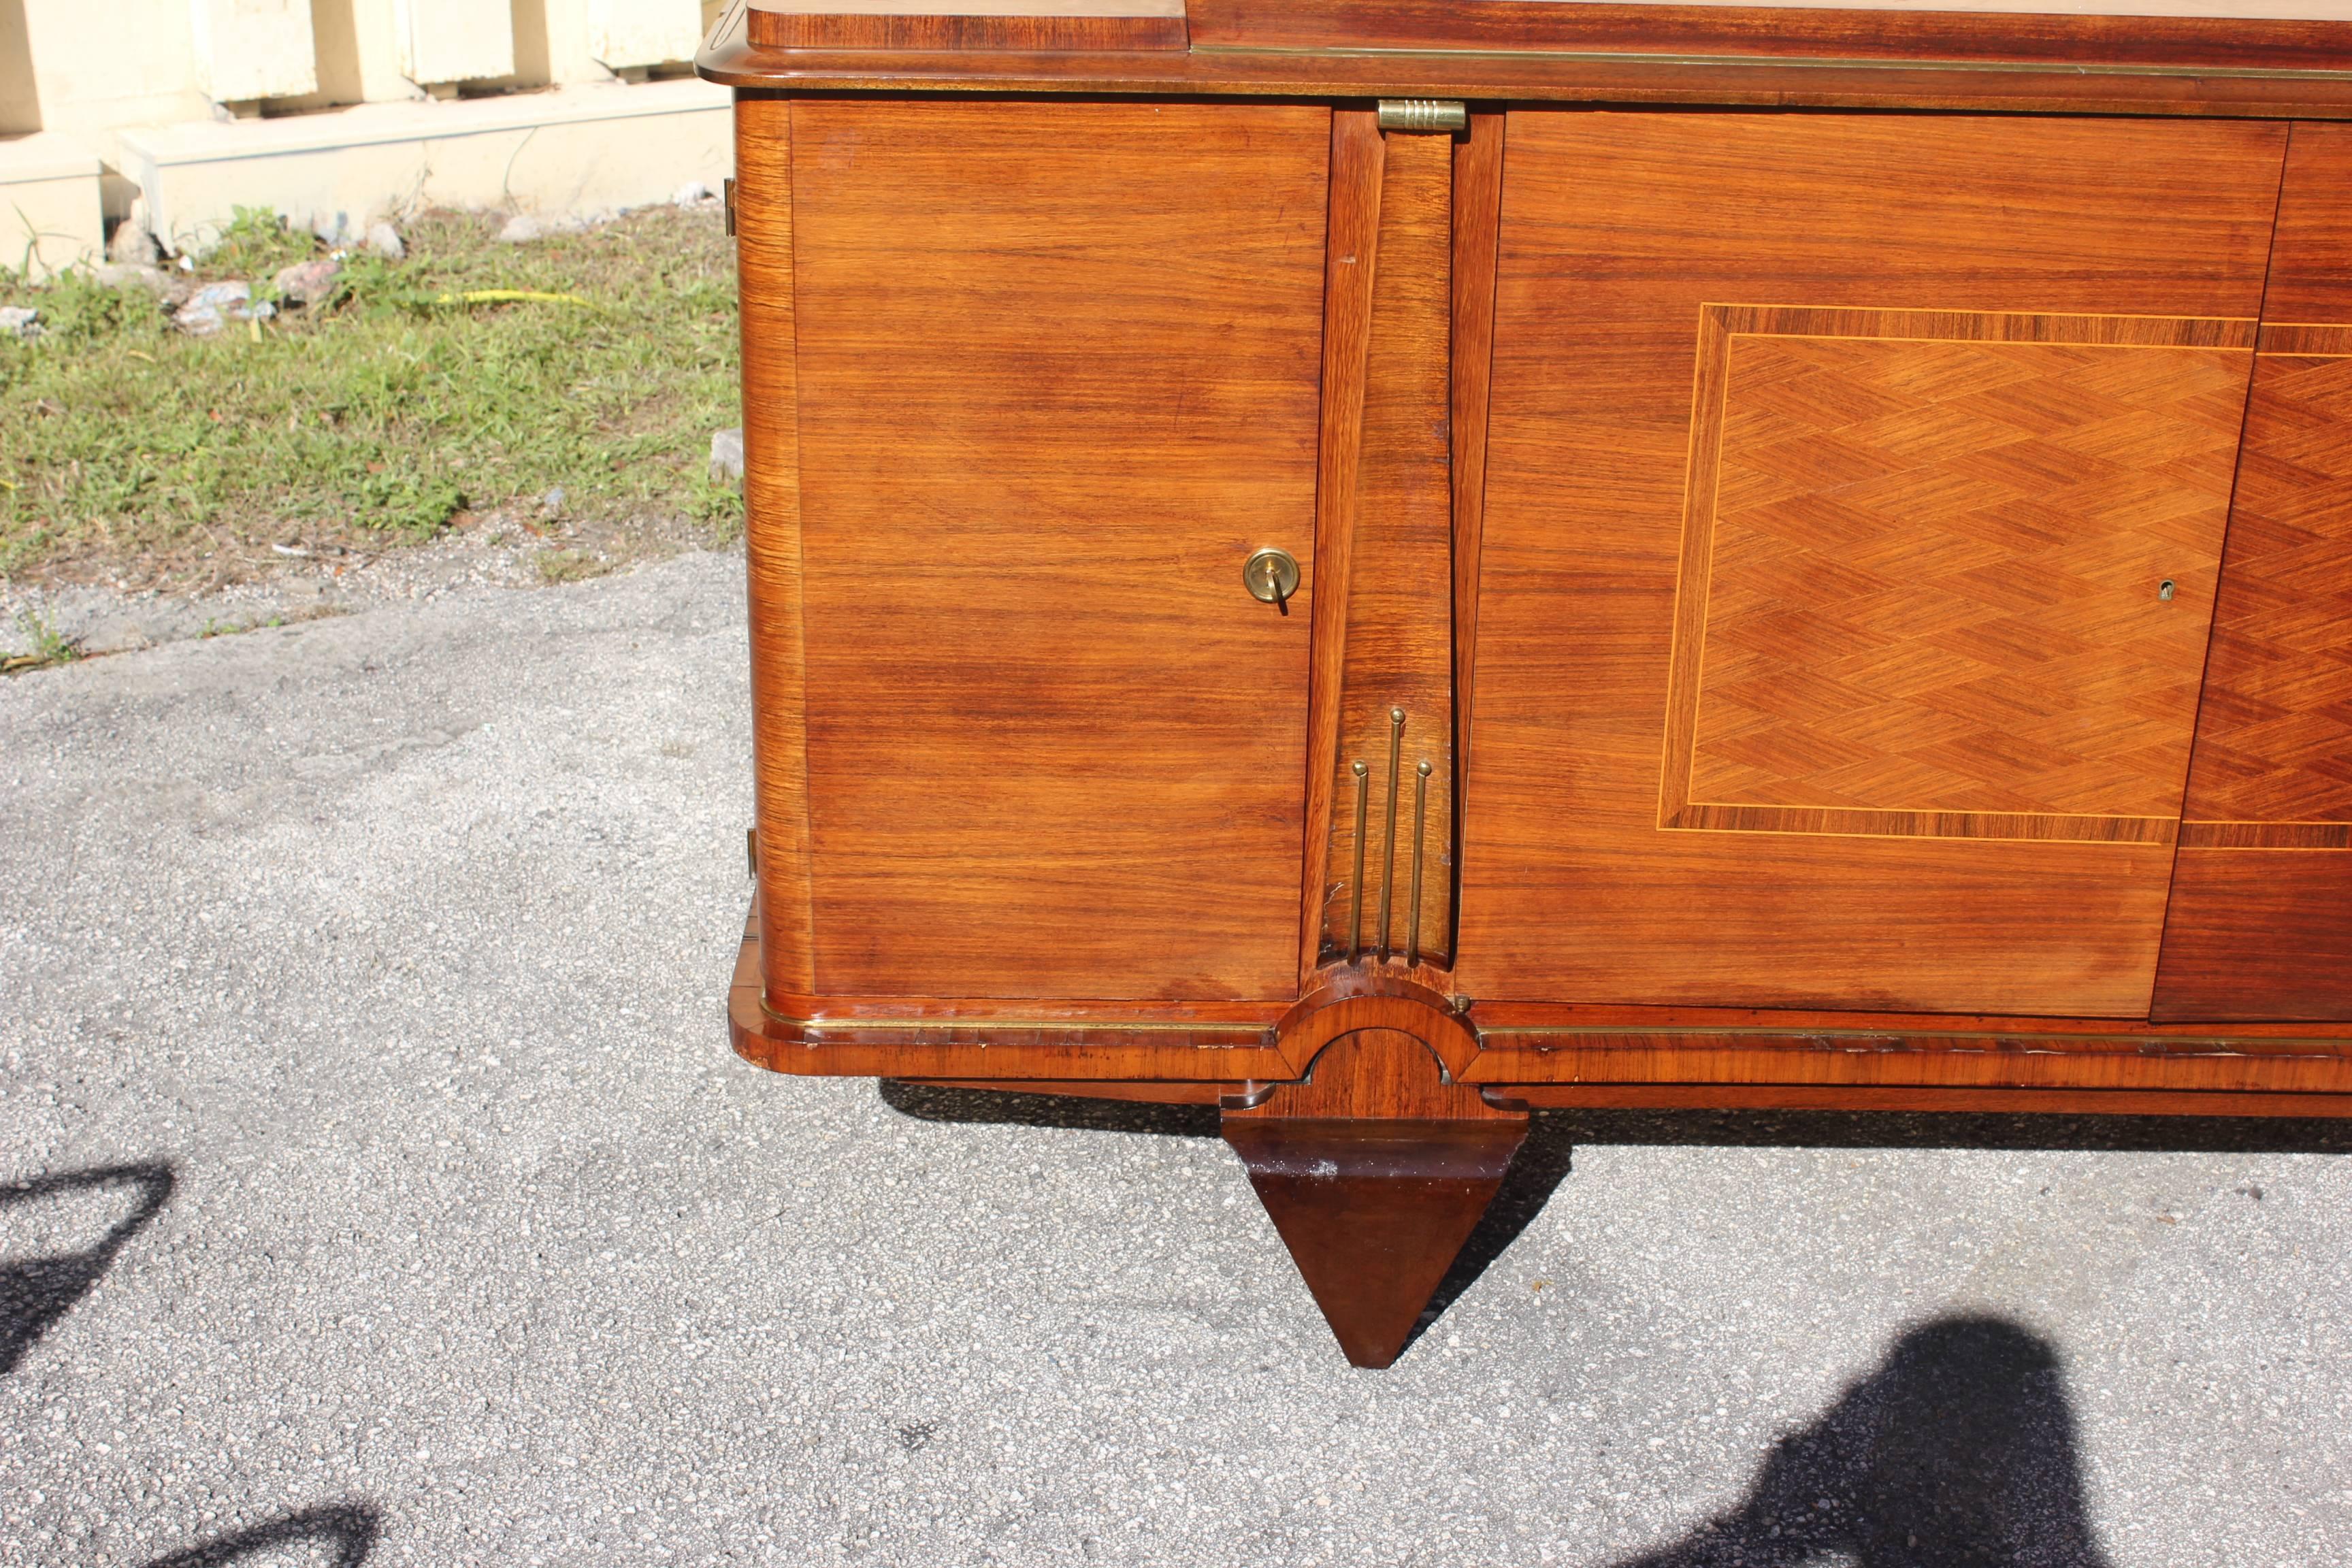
(2267, 835)
(772, 539)
(1718, 326)
(1352, 236)
(2306, 340)
(1477, 246)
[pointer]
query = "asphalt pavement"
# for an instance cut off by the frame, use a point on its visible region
(378, 1188)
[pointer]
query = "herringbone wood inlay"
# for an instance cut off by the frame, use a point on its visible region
(1928, 552)
(2275, 739)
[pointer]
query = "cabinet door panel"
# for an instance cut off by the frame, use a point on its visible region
(1856, 490)
(2260, 923)
(1057, 369)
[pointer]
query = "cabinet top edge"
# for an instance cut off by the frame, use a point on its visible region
(1804, 56)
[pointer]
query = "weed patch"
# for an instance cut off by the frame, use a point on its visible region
(471, 376)
(46, 647)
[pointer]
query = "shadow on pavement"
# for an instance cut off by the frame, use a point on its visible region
(1958, 1452)
(933, 1103)
(347, 1530)
(1545, 1159)
(36, 1292)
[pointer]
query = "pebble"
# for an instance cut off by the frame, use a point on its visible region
(215, 305)
(727, 455)
(309, 282)
(20, 321)
(134, 244)
(384, 240)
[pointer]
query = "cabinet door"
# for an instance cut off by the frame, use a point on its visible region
(2261, 925)
(1057, 371)
(1856, 487)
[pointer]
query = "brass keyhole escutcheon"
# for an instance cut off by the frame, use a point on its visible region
(1271, 576)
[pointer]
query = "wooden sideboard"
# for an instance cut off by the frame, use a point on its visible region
(1381, 563)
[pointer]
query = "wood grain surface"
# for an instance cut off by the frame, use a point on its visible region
(2258, 933)
(1399, 640)
(2260, 923)
(771, 537)
(1618, 230)
(1058, 379)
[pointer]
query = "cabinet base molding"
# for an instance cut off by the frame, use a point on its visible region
(1376, 1120)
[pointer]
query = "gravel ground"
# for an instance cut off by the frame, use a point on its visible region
(515, 548)
(386, 1192)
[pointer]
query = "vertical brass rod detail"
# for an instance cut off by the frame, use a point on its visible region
(1420, 770)
(1387, 847)
(1355, 887)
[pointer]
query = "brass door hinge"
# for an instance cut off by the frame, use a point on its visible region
(726, 189)
(1423, 114)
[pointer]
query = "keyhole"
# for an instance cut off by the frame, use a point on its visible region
(2164, 590)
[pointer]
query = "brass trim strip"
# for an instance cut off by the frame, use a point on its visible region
(1421, 772)
(1501, 1038)
(1387, 847)
(1355, 887)
(1245, 1034)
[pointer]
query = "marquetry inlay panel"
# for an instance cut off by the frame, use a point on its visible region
(1949, 574)
(2273, 766)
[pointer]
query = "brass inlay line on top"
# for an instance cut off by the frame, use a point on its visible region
(1793, 62)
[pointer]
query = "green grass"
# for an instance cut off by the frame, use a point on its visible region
(131, 452)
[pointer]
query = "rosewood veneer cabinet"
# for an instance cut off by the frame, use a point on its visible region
(1379, 564)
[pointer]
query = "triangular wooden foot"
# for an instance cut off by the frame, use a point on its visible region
(1374, 1211)
(1375, 1169)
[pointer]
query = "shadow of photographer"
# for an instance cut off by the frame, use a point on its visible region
(347, 1531)
(1958, 1452)
(35, 1292)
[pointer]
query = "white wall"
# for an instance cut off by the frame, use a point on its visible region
(182, 91)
